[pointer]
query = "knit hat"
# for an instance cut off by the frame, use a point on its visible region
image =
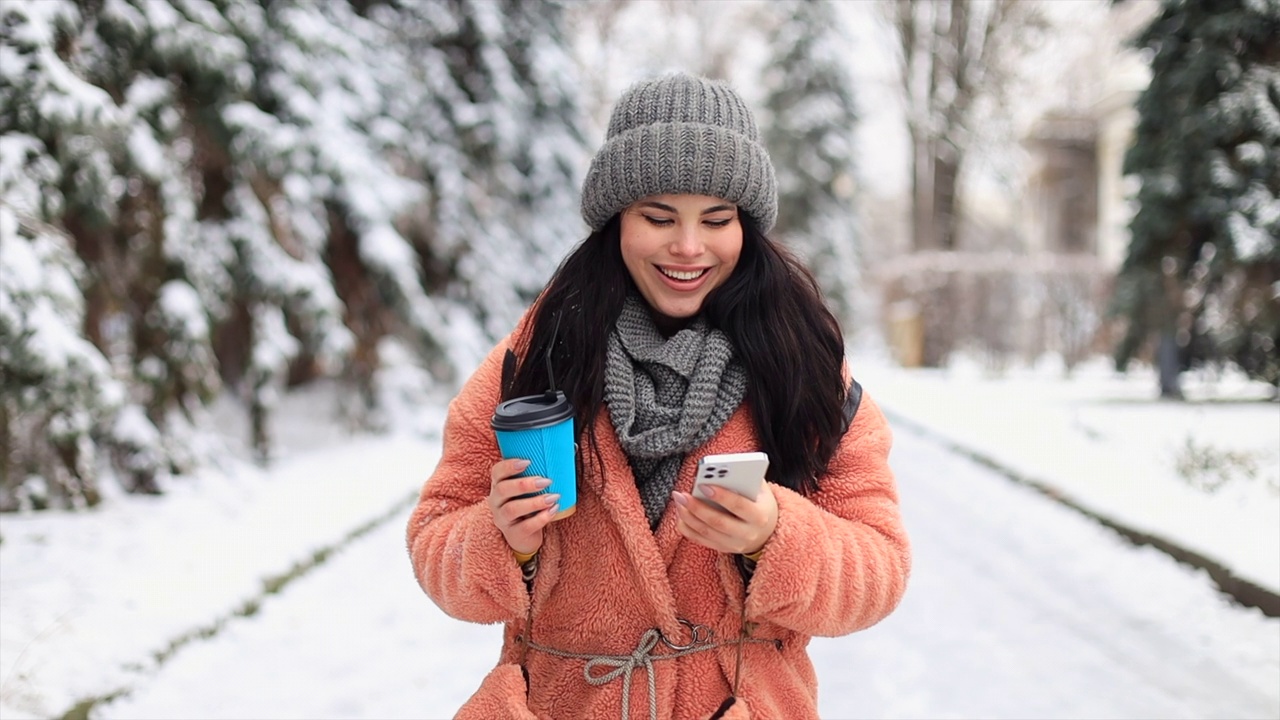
(680, 134)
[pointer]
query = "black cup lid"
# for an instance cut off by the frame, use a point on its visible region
(532, 411)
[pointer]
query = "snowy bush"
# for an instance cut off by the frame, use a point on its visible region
(1207, 468)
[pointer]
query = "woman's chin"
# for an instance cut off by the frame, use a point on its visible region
(678, 312)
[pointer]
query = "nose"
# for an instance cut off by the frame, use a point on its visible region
(688, 243)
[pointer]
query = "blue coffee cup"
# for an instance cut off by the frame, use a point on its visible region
(539, 428)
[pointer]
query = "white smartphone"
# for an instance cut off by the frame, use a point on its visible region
(742, 473)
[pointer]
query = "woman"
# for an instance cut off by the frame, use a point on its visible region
(677, 329)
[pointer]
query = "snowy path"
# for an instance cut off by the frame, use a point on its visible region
(1017, 608)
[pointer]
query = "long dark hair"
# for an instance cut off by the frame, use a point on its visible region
(770, 308)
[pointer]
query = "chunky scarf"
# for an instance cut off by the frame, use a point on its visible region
(667, 396)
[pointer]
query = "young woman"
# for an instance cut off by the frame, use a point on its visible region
(677, 329)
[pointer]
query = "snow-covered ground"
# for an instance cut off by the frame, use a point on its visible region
(1040, 613)
(1204, 474)
(286, 593)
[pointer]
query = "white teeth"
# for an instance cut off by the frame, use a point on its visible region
(682, 275)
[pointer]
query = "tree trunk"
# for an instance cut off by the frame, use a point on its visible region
(934, 213)
(946, 219)
(260, 416)
(922, 194)
(1170, 366)
(365, 312)
(9, 471)
(940, 321)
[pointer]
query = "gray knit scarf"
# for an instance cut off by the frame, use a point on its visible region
(667, 396)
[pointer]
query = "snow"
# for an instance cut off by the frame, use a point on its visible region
(20, 172)
(382, 247)
(133, 577)
(70, 99)
(37, 297)
(41, 20)
(1251, 153)
(1252, 244)
(132, 426)
(170, 598)
(20, 272)
(181, 302)
(146, 153)
(1261, 80)
(274, 348)
(148, 93)
(1105, 441)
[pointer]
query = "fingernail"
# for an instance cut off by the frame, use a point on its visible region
(541, 483)
(550, 499)
(553, 509)
(681, 500)
(523, 463)
(710, 490)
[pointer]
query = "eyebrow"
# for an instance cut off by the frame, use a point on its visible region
(668, 208)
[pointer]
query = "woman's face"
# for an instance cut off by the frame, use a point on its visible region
(678, 248)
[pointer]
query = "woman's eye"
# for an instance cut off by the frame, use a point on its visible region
(660, 222)
(719, 223)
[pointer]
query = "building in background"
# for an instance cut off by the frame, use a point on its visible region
(1036, 260)
(1077, 201)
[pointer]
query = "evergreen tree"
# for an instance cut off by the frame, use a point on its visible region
(811, 115)
(57, 395)
(502, 150)
(1203, 267)
(251, 195)
(86, 172)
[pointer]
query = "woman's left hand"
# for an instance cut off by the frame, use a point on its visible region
(744, 528)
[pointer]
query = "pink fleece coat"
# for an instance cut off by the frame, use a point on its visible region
(837, 563)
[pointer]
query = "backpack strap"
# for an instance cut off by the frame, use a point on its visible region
(508, 373)
(852, 400)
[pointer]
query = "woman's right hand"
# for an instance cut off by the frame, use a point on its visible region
(520, 519)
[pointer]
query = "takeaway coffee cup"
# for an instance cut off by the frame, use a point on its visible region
(539, 428)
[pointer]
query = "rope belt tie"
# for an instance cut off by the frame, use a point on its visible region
(642, 657)
(624, 666)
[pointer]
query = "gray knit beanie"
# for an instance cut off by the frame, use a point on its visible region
(680, 134)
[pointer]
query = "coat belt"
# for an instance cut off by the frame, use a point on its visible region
(623, 666)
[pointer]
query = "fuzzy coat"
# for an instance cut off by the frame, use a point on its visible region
(837, 562)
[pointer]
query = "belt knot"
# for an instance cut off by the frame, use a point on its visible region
(623, 666)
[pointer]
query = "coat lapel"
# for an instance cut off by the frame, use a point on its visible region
(735, 436)
(652, 552)
(616, 488)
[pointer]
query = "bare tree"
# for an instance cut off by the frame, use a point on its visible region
(953, 53)
(618, 44)
(599, 20)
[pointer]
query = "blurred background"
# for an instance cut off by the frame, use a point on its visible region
(243, 229)
(207, 198)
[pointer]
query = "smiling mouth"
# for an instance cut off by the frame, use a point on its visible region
(683, 275)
